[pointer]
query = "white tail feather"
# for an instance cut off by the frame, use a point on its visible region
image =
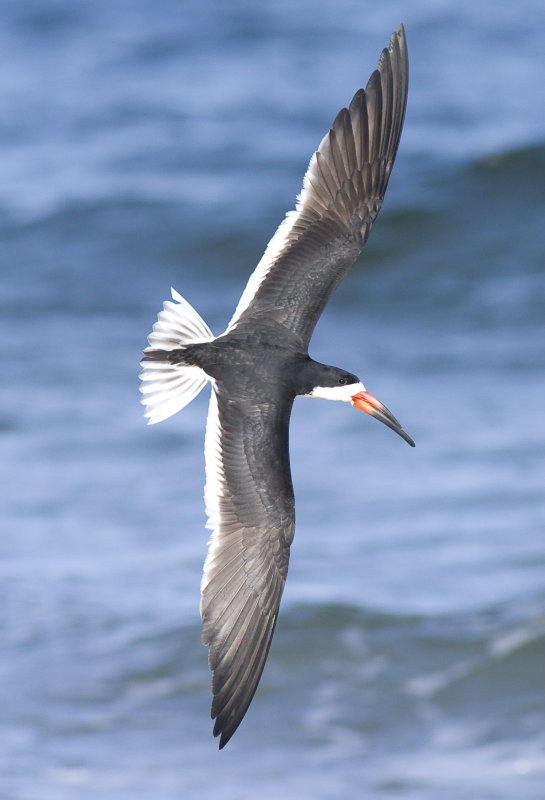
(167, 388)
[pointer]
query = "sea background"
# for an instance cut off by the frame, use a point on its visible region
(144, 145)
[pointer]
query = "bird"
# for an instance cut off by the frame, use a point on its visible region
(258, 366)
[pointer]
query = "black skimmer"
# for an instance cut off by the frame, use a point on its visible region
(257, 368)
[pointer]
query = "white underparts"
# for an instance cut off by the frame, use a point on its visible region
(343, 393)
(167, 388)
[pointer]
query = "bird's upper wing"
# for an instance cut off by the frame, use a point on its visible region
(343, 189)
(250, 506)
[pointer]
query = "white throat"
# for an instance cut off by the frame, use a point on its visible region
(342, 393)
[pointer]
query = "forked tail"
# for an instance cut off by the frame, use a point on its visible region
(168, 387)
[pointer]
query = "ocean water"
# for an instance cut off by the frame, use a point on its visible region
(159, 144)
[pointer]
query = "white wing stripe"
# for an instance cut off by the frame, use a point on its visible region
(215, 482)
(273, 250)
(278, 242)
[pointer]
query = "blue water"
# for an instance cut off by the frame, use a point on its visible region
(150, 145)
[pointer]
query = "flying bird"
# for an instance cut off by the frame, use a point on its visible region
(257, 368)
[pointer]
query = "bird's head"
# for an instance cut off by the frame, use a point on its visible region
(332, 383)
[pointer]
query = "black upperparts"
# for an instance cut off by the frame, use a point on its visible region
(254, 369)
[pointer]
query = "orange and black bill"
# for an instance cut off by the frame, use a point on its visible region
(368, 403)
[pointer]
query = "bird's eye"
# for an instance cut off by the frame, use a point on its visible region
(342, 381)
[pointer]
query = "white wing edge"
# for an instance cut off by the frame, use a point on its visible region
(277, 244)
(214, 485)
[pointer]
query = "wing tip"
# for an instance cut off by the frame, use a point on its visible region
(224, 738)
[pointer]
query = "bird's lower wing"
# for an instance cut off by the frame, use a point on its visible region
(343, 189)
(250, 506)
